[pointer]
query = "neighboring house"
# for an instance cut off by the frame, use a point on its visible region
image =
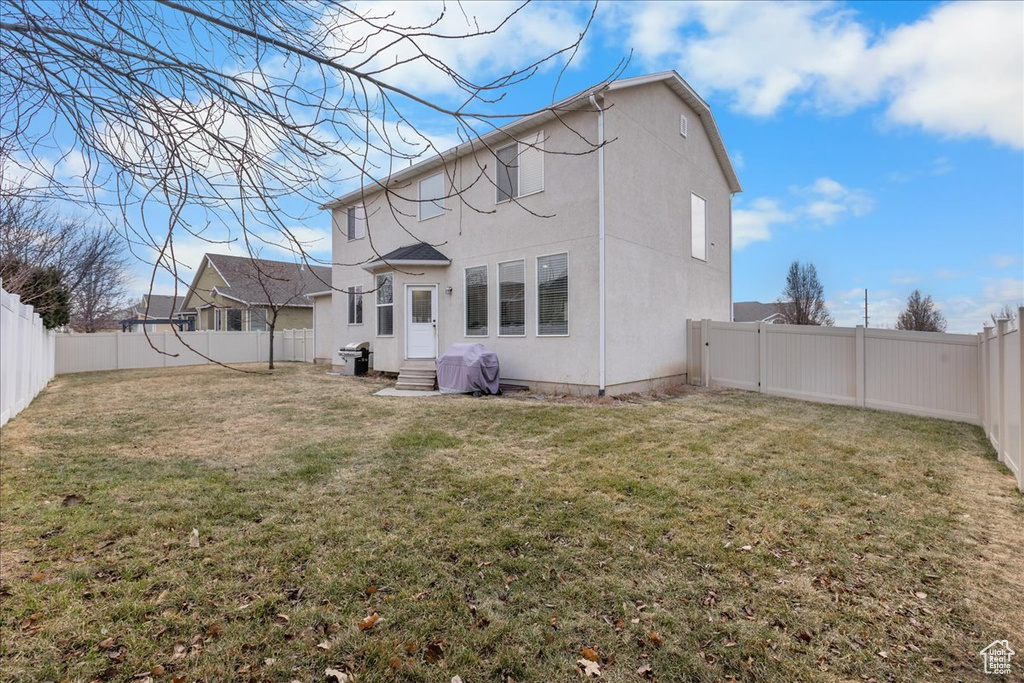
(757, 312)
(578, 268)
(155, 307)
(234, 293)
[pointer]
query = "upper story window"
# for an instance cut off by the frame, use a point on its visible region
(698, 228)
(431, 200)
(519, 168)
(355, 222)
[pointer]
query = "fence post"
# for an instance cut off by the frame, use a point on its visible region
(762, 357)
(117, 351)
(983, 379)
(1020, 404)
(1001, 389)
(860, 368)
(705, 352)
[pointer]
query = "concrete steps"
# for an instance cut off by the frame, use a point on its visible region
(417, 376)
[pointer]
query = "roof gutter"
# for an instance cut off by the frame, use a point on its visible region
(601, 343)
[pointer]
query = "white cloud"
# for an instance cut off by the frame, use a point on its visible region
(755, 224)
(1001, 261)
(965, 314)
(958, 71)
(535, 31)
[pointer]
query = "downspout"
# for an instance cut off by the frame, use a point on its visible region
(600, 248)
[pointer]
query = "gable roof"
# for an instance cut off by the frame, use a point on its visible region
(245, 278)
(755, 311)
(580, 100)
(160, 305)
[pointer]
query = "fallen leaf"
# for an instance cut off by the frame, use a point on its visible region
(193, 539)
(395, 662)
(645, 672)
(281, 618)
(619, 624)
(339, 676)
(325, 646)
(371, 590)
(921, 595)
(158, 670)
(589, 668)
(213, 631)
(37, 577)
(456, 679)
(433, 653)
(804, 636)
(747, 547)
(589, 653)
(180, 678)
(269, 661)
(105, 644)
(369, 622)
(883, 654)
(655, 638)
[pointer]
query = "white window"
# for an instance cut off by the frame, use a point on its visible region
(257, 320)
(385, 305)
(216, 319)
(476, 301)
(553, 295)
(431, 196)
(355, 305)
(512, 298)
(519, 168)
(698, 228)
(355, 222)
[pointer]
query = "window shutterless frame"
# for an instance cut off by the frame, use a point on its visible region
(541, 267)
(465, 303)
(384, 299)
(507, 307)
(431, 197)
(698, 227)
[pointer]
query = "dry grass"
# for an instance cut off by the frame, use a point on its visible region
(710, 536)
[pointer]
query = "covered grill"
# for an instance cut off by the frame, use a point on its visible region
(468, 368)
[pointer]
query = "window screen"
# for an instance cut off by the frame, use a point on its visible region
(698, 228)
(421, 306)
(432, 196)
(553, 294)
(355, 305)
(234, 320)
(385, 305)
(507, 172)
(476, 301)
(512, 298)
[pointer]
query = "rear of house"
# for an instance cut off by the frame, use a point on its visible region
(517, 240)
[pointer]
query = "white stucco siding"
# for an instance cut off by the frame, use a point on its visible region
(654, 283)
(474, 230)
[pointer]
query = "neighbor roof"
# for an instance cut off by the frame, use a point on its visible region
(160, 305)
(578, 101)
(419, 254)
(288, 283)
(755, 311)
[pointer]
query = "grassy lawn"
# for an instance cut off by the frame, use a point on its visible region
(710, 536)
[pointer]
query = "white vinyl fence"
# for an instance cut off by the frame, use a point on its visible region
(1002, 396)
(119, 351)
(969, 378)
(26, 355)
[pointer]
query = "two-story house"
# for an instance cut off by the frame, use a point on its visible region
(574, 243)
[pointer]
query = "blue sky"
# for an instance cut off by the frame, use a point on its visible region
(882, 141)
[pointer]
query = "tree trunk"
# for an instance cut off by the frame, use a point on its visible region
(271, 328)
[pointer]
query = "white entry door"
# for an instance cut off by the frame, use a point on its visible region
(421, 321)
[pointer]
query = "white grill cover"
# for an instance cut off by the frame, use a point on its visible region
(465, 368)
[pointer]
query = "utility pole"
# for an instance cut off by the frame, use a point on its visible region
(865, 308)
